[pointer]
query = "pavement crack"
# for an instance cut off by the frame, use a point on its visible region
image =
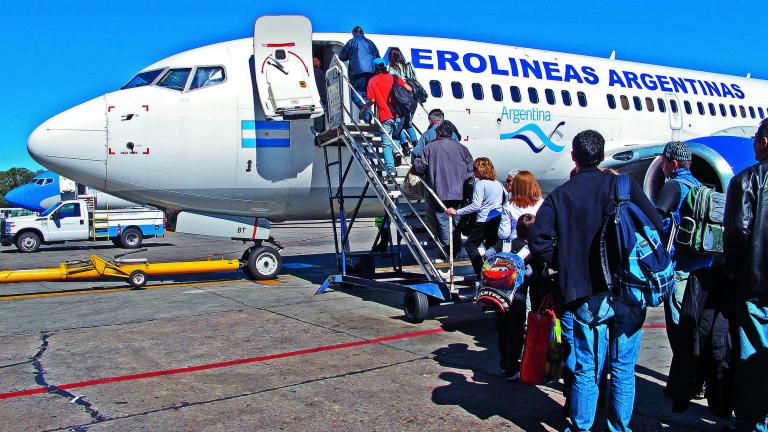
(52, 389)
(183, 405)
(16, 364)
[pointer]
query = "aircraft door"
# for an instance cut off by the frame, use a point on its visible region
(282, 52)
(675, 116)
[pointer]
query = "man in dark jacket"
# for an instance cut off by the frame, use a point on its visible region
(572, 217)
(360, 52)
(447, 164)
(745, 242)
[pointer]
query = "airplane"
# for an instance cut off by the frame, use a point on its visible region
(46, 189)
(212, 129)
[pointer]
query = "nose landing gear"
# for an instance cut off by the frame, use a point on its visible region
(262, 262)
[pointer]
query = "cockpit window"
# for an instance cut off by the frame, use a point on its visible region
(142, 79)
(48, 181)
(38, 181)
(206, 76)
(175, 79)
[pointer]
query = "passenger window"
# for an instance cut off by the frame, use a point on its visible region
(712, 109)
(733, 111)
(69, 210)
(611, 101)
(638, 103)
(207, 76)
(533, 95)
(649, 105)
(743, 111)
(457, 90)
(673, 105)
(496, 93)
(624, 102)
(550, 95)
(142, 79)
(477, 91)
(722, 110)
(582, 97)
(515, 93)
(760, 112)
(435, 88)
(701, 108)
(662, 105)
(566, 97)
(688, 108)
(175, 79)
(752, 112)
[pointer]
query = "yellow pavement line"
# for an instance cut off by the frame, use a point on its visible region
(108, 290)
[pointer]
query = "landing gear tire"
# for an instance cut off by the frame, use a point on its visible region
(28, 242)
(137, 279)
(131, 238)
(263, 263)
(415, 306)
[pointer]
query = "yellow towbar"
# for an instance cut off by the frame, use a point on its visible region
(134, 270)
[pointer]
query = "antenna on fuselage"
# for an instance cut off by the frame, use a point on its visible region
(749, 74)
(613, 55)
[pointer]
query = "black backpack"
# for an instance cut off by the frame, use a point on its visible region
(418, 91)
(401, 101)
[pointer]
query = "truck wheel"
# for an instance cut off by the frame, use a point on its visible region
(415, 306)
(137, 279)
(131, 238)
(264, 263)
(28, 242)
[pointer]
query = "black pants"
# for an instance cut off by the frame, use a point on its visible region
(510, 328)
(482, 233)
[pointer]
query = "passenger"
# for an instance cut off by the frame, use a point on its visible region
(317, 66)
(404, 69)
(524, 197)
(379, 89)
(676, 166)
(510, 326)
(435, 117)
(745, 238)
(446, 164)
(487, 200)
(360, 52)
(573, 215)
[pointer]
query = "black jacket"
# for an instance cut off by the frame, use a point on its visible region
(572, 216)
(745, 236)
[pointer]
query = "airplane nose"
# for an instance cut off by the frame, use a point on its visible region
(74, 143)
(14, 197)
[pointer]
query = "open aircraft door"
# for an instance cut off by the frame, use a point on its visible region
(282, 54)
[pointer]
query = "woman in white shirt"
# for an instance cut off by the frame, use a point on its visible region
(524, 197)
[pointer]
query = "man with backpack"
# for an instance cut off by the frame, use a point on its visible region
(380, 92)
(745, 246)
(571, 234)
(360, 52)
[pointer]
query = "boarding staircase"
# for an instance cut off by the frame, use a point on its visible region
(361, 143)
(99, 222)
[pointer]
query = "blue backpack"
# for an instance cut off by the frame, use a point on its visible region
(636, 265)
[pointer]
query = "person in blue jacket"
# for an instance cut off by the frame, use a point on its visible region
(360, 52)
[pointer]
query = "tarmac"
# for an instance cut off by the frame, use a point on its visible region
(219, 352)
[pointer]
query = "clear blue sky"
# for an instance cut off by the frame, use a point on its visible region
(60, 53)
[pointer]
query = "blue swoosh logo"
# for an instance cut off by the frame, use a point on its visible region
(544, 141)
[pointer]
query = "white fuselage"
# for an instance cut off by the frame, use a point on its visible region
(186, 147)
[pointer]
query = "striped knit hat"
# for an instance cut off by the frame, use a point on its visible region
(678, 151)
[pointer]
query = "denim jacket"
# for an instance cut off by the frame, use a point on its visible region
(360, 52)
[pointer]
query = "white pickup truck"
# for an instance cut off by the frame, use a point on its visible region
(75, 221)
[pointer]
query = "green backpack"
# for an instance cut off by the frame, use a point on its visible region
(701, 220)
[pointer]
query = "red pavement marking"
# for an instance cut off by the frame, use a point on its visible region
(100, 381)
(655, 326)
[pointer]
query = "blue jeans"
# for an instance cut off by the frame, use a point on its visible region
(592, 340)
(566, 324)
(405, 134)
(750, 403)
(360, 84)
(393, 127)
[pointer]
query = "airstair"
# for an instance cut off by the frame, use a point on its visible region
(347, 143)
